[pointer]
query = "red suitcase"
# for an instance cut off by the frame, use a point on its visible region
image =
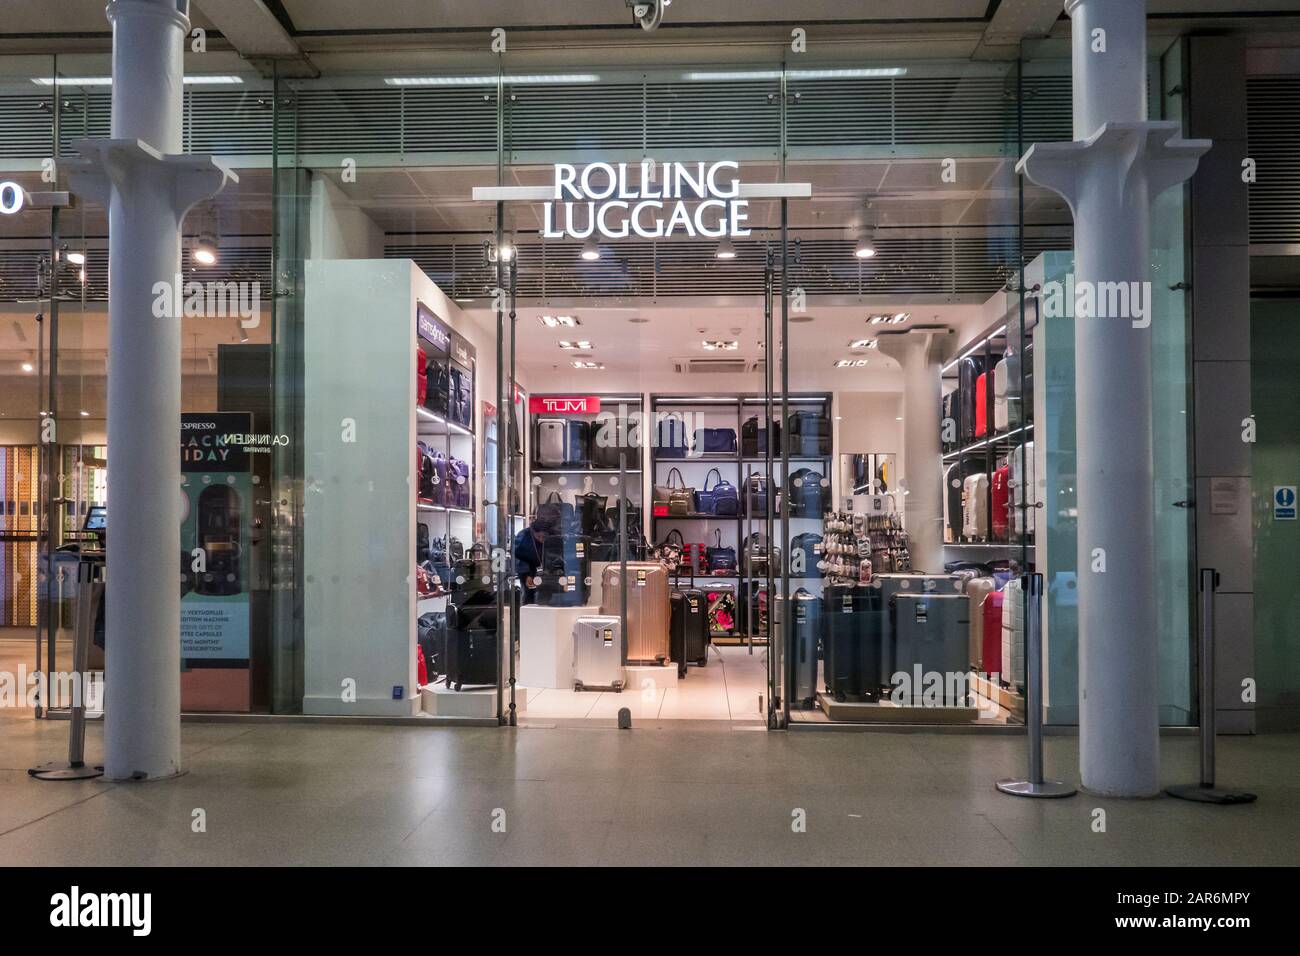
(992, 611)
(999, 492)
(981, 406)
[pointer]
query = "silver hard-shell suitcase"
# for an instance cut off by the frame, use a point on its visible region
(597, 654)
(552, 442)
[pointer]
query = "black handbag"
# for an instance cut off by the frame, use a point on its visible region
(720, 558)
(592, 513)
(568, 516)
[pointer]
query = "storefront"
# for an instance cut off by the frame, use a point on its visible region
(785, 337)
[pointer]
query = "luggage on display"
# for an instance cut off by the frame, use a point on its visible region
(981, 405)
(597, 653)
(592, 511)
(805, 630)
(1006, 393)
(671, 438)
(753, 437)
(759, 558)
(756, 491)
(808, 494)
(1013, 633)
(893, 584)
(721, 499)
(676, 495)
(552, 442)
(975, 507)
(721, 559)
(999, 489)
(461, 408)
(431, 633)
(948, 425)
(648, 608)
(568, 515)
(427, 468)
(608, 434)
(715, 441)
(438, 390)
(458, 484)
(809, 434)
(421, 542)
(990, 613)
(671, 551)
(968, 370)
(568, 555)
(721, 607)
(977, 591)
(471, 645)
(690, 628)
(559, 590)
(421, 376)
(805, 553)
(1022, 494)
(854, 634)
(933, 631)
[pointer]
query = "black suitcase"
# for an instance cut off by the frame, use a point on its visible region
(968, 371)
(609, 436)
(691, 617)
(471, 645)
(432, 630)
(753, 438)
(805, 634)
(810, 434)
(854, 635)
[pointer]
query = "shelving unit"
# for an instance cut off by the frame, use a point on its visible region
(732, 411)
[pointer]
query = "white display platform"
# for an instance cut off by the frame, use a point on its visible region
(438, 700)
(546, 644)
(650, 677)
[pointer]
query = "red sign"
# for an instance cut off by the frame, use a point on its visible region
(564, 404)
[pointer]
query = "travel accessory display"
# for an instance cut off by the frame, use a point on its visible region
(715, 441)
(721, 558)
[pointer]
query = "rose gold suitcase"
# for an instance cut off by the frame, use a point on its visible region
(649, 610)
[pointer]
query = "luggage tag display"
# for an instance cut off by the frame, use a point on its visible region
(608, 636)
(640, 578)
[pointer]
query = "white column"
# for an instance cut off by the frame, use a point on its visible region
(921, 352)
(1110, 174)
(147, 189)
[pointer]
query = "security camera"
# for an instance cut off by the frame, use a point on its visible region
(648, 13)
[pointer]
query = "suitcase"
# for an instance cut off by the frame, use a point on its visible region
(949, 414)
(720, 601)
(1022, 490)
(932, 631)
(471, 645)
(753, 438)
(431, 630)
(648, 608)
(438, 391)
(569, 556)
(968, 370)
(1013, 634)
(999, 489)
(805, 553)
(977, 590)
(990, 612)
(854, 631)
(670, 438)
(605, 435)
(597, 654)
(1006, 393)
(809, 496)
(809, 434)
(805, 630)
(975, 508)
(690, 629)
(981, 405)
(893, 584)
(552, 442)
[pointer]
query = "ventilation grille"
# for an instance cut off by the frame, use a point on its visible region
(651, 115)
(1272, 104)
(940, 266)
(715, 366)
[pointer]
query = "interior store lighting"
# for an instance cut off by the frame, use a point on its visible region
(559, 321)
(77, 258)
(863, 344)
(580, 346)
(720, 345)
(591, 250)
(198, 79)
(489, 79)
(588, 365)
(726, 248)
(824, 74)
(28, 367)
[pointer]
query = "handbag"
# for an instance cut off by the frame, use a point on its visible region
(458, 488)
(721, 558)
(715, 441)
(568, 517)
(704, 497)
(671, 438)
(669, 552)
(679, 497)
(722, 610)
(592, 512)
(726, 498)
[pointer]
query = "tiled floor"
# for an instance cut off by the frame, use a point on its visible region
(729, 687)
(665, 792)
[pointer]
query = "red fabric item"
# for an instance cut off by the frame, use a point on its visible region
(421, 669)
(981, 406)
(421, 375)
(992, 611)
(999, 492)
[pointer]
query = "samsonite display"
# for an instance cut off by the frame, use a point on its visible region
(968, 370)
(597, 654)
(981, 405)
(931, 631)
(999, 499)
(648, 608)
(1006, 393)
(854, 632)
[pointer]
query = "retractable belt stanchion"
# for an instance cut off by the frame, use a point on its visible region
(1206, 791)
(1034, 785)
(90, 592)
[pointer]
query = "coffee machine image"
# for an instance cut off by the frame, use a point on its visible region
(218, 536)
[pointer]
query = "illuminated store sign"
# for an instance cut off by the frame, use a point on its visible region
(11, 197)
(651, 200)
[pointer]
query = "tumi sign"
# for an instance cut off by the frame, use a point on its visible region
(651, 202)
(564, 404)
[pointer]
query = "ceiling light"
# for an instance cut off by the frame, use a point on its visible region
(201, 79)
(850, 363)
(28, 367)
(899, 318)
(77, 258)
(863, 344)
(863, 72)
(205, 250)
(587, 365)
(85, 414)
(505, 251)
(491, 79)
(865, 248)
(639, 320)
(591, 250)
(713, 345)
(726, 248)
(581, 346)
(556, 321)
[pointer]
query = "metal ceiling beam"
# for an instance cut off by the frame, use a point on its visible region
(261, 31)
(1013, 21)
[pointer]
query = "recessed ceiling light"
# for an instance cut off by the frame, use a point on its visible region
(85, 414)
(557, 321)
(28, 367)
(591, 250)
(587, 365)
(77, 258)
(205, 250)
(726, 249)
(899, 318)
(581, 346)
(850, 363)
(718, 345)
(865, 248)
(863, 344)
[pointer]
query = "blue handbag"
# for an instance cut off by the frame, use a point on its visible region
(726, 497)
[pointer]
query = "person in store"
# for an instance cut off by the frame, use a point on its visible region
(528, 547)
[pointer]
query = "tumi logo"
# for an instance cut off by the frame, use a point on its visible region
(102, 910)
(564, 405)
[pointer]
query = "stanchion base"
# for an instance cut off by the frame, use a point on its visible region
(62, 770)
(1203, 794)
(1027, 788)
